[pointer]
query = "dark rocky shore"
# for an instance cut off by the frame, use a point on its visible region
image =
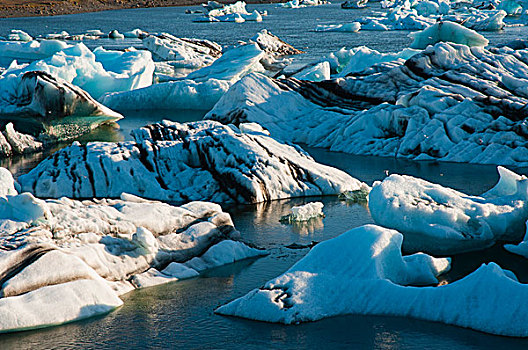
(31, 8)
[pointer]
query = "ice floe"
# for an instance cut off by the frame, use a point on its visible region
(183, 52)
(235, 12)
(447, 32)
(19, 35)
(64, 260)
(441, 220)
(96, 72)
(363, 272)
(200, 89)
(304, 213)
(353, 27)
(181, 162)
(445, 103)
(42, 104)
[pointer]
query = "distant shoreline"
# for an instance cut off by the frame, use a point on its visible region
(34, 8)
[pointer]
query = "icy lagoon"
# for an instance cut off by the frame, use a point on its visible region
(181, 314)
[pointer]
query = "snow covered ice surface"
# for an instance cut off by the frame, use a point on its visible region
(363, 272)
(444, 103)
(65, 260)
(440, 220)
(193, 161)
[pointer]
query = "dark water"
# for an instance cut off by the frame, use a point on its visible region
(180, 315)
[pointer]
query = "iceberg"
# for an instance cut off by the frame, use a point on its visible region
(353, 27)
(235, 12)
(38, 103)
(183, 52)
(441, 220)
(363, 272)
(199, 90)
(357, 4)
(19, 35)
(304, 213)
(447, 32)
(181, 162)
(318, 72)
(180, 94)
(272, 44)
(65, 260)
(29, 51)
(96, 72)
(424, 108)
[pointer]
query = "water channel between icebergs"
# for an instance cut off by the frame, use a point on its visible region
(180, 315)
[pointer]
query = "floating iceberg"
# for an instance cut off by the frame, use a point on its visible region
(318, 72)
(13, 142)
(440, 220)
(304, 213)
(96, 72)
(356, 4)
(427, 107)
(363, 272)
(29, 51)
(447, 32)
(39, 103)
(347, 61)
(182, 162)
(65, 260)
(235, 12)
(183, 52)
(200, 89)
(19, 35)
(353, 27)
(181, 94)
(272, 44)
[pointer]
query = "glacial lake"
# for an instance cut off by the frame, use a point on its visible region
(180, 314)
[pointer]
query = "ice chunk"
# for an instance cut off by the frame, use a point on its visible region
(53, 106)
(96, 72)
(304, 213)
(57, 304)
(200, 90)
(114, 34)
(363, 272)
(223, 253)
(440, 220)
(271, 43)
(318, 72)
(181, 94)
(19, 35)
(354, 4)
(183, 52)
(447, 32)
(406, 109)
(181, 162)
(7, 183)
(348, 27)
(29, 51)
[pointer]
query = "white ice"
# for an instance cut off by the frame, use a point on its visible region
(440, 220)
(363, 272)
